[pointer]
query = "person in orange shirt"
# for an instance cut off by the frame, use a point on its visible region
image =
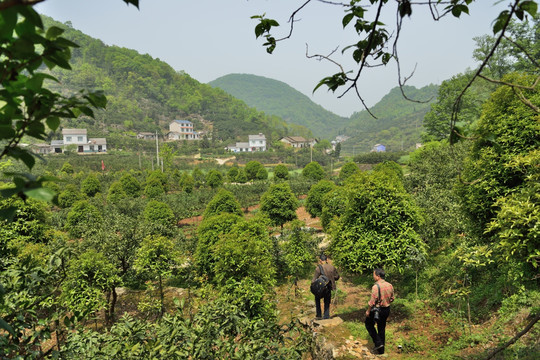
(382, 294)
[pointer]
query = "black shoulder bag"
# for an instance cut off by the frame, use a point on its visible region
(375, 309)
(320, 286)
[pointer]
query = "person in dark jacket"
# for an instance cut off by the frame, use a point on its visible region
(331, 272)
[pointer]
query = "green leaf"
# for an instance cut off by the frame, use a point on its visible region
(6, 132)
(8, 21)
(4, 325)
(53, 122)
(40, 193)
(347, 19)
(53, 32)
(529, 6)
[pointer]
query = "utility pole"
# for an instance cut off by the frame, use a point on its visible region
(311, 148)
(157, 152)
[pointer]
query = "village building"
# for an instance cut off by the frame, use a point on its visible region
(182, 130)
(255, 143)
(378, 148)
(76, 138)
(146, 135)
(298, 141)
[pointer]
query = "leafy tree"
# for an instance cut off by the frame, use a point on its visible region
(69, 196)
(214, 179)
(160, 176)
(209, 232)
(67, 168)
(186, 182)
(337, 151)
(130, 185)
(232, 173)
(242, 176)
(314, 201)
(262, 174)
(167, 154)
(198, 177)
(223, 202)
(245, 252)
(281, 173)
(116, 192)
(347, 170)
(91, 185)
(156, 258)
(313, 171)
(508, 128)
(391, 168)
(279, 203)
(82, 217)
(378, 226)
(299, 251)
(154, 189)
(334, 204)
(89, 278)
(159, 213)
(252, 169)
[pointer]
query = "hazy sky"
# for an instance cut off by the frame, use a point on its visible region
(212, 38)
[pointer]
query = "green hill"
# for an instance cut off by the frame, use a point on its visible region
(146, 94)
(398, 124)
(277, 98)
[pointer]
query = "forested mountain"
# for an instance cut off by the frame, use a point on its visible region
(398, 124)
(146, 94)
(277, 98)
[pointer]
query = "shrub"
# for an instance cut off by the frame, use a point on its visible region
(223, 202)
(314, 201)
(313, 171)
(281, 173)
(91, 185)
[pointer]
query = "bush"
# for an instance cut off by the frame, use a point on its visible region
(281, 173)
(314, 201)
(91, 185)
(313, 171)
(223, 202)
(154, 188)
(82, 217)
(160, 213)
(214, 179)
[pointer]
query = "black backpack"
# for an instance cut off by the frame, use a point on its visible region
(321, 285)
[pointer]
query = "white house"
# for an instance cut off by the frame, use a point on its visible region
(77, 138)
(182, 130)
(255, 143)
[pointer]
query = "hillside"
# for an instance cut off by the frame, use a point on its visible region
(398, 124)
(277, 98)
(146, 94)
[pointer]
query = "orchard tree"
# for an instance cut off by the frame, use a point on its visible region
(313, 171)
(214, 179)
(67, 168)
(90, 286)
(82, 217)
(378, 226)
(223, 202)
(348, 170)
(69, 196)
(198, 177)
(232, 173)
(130, 185)
(242, 176)
(252, 169)
(156, 257)
(116, 192)
(280, 204)
(209, 232)
(154, 188)
(91, 185)
(299, 251)
(314, 201)
(262, 174)
(281, 173)
(186, 182)
(160, 176)
(159, 213)
(334, 204)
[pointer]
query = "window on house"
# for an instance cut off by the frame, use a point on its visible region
(79, 138)
(68, 138)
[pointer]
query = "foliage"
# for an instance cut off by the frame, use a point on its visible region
(281, 173)
(378, 226)
(91, 185)
(334, 204)
(156, 257)
(198, 177)
(245, 252)
(252, 169)
(67, 168)
(223, 202)
(279, 203)
(154, 188)
(214, 179)
(347, 170)
(69, 196)
(160, 176)
(130, 185)
(242, 176)
(89, 276)
(82, 216)
(116, 192)
(377, 157)
(313, 171)
(186, 182)
(232, 173)
(209, 232)
(159, 213)
(314, 201)
(508, 128)
(433, 176)
(299, 250)
(262, 174)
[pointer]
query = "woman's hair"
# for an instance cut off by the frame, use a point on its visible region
(380, 273)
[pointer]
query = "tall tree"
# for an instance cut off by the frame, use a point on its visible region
(280, 204)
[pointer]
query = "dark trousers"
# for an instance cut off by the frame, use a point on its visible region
(327, 297)
(378, 334)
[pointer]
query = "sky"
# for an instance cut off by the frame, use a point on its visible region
(211, 38)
